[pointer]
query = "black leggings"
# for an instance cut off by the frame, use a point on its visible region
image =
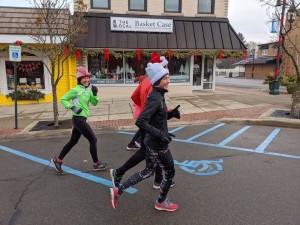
(81, 127)
(154, 158)
(138, 157)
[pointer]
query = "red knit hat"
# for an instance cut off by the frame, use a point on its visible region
(157, 58)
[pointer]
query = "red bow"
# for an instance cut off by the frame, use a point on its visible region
(78, 54)
(221, 53)
(66, 50)
(169, 52)
(106, 54)
(196, 54)
(139, 54)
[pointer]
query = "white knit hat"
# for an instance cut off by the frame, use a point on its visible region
(156, 71)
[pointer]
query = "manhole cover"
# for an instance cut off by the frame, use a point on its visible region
(49, 125)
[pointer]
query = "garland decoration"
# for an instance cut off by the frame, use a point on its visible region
(139, 53)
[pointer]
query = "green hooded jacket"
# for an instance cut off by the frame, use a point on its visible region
(80, 96)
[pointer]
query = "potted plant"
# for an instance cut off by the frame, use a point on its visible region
(27, 93)
(269, 79)
(290, 82)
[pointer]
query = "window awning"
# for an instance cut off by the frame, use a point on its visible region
(189, 33)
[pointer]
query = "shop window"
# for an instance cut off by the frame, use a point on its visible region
(134, 68)
(115, 71)
(30, 75)
(137, 5)
(106, 72)
(173, 6)
(179, 70)
(206, 6)
(100, 4)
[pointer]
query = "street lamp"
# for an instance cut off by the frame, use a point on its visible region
(275, 83)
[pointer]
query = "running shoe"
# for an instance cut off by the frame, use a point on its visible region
(114, 195)
(166, 205)
(116, 179)
(100, 166)
(132, 147)
(57, 165)
(157, 186)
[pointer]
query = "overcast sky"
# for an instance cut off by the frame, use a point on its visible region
(246, 16)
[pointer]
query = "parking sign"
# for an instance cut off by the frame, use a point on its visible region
(15, 53)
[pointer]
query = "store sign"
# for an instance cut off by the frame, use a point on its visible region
(141, 24)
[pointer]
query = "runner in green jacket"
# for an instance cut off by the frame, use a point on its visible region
(78, 99)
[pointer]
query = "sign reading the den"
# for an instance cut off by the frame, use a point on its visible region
(141, 24)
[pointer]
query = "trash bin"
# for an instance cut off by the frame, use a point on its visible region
(230, 74)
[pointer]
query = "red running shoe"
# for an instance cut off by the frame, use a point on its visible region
(166, 205)
(114, 195)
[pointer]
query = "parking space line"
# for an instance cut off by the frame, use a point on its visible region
(66, 169)
(205, 132)
(233, 136)
(261, 148)
(176, 129)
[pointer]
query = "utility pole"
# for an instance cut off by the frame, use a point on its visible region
(275, 83)
(253, 57)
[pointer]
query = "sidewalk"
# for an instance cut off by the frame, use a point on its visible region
(227, 104)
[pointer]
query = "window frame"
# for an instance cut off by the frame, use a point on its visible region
(179, 10)
(140, 10)
(108, 8)
(212, 10)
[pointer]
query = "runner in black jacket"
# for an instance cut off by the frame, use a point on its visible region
(153, 121)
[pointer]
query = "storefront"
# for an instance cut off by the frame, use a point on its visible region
(118, 48)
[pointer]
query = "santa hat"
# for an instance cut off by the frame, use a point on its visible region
(156, 58)
(156, 71)
(82, 72)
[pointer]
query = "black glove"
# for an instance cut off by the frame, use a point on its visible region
(94, 90)
(76, 109)
(175, 112)
(166, 138)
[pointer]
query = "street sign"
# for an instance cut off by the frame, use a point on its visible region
(15, 53)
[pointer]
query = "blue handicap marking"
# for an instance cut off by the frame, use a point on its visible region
(201, 167)
(15, 54)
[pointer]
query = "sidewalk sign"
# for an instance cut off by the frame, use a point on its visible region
(15, 56)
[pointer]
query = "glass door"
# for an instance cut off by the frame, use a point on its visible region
(197, 73)
(208, 73)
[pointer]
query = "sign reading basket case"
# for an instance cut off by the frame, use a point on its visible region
(141, 24)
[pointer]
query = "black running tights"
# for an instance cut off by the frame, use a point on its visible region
(81, 127)
(154, 158)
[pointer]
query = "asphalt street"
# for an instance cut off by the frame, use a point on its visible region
(226, 174)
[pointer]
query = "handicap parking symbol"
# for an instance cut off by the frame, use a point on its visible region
(15, 55)
(201, 167)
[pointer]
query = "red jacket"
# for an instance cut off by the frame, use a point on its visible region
(140, 94)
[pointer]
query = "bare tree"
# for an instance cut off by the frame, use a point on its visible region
(56, 29)
(289, 44)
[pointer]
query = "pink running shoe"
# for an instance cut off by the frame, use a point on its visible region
(166, 205)
(114, 195)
